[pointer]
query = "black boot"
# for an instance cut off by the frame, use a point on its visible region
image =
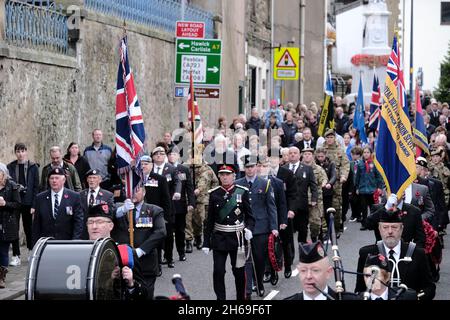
(188, 246)
(3, 272)
(198, 242)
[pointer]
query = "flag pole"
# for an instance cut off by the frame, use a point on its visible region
(192, 128)
(130, 174)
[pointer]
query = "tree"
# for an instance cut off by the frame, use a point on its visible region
(442, 92)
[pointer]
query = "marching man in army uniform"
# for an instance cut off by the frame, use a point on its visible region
(337, 155)
(230, 222)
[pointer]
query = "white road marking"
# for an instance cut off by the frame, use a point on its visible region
(271, 295)
(294, 273)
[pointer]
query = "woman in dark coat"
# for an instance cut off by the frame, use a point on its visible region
(74, 157)
(9, 224)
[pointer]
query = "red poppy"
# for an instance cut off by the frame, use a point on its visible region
(417, 194)
(66, 196)
(105, 208)
(381, 257)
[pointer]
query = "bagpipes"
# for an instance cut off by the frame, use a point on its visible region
(337, 260)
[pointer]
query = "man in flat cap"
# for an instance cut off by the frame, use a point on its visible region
(57, 211)
(99, 225)
(229, 226)
(408, 262)
(314, 271)
(94, 195)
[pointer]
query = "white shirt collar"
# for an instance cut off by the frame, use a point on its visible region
(60, 193)
(384, 295)
(297, 164)
(318, 297)
(396, 250)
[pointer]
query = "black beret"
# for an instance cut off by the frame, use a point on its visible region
(311, 252)
(57, 171)
(391, 216)
(377, 260)
(92, 172)
(100, 210)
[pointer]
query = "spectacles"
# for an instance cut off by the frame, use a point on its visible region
(98, 222)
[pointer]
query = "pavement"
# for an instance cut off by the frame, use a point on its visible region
(15, 279)
(197, 272)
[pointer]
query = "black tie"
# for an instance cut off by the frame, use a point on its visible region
(250, 184)
(91, 198)
(293, 168)
(56, 206)
(391, 257)
(379, 298)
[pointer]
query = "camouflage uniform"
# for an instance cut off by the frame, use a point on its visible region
(337, 155)
(205, 179)
(316, 213)
(442, 173)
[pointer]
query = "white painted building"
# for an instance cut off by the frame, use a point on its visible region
(431, 39)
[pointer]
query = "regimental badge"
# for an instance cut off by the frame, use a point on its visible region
(238, 198)
(69, 211)
(320, 251)
(237, 211)
(182, 176)
(168, 177)
(304, 175)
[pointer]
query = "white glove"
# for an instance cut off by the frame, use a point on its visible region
(248, 234)
(176, 196)
(392, 200)
(205, 250)
(140, 252)
(128, 205)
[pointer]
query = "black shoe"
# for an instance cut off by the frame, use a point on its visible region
(363, 228)
(338, 235)
(198, 242)
(163, 261)
(287, 273)
(266, 277)
(261, 293)
(274, 278)
(159, 274)
(188, 246)
(254, 288)
(171, 264)
(182, 257)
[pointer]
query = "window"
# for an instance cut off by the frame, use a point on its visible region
(445, 12)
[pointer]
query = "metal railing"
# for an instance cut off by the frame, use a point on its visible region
(36, 24)
(156, 14)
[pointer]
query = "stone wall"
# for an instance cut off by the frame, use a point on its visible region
(45, 103)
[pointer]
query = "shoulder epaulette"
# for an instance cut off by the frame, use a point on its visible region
(242, 187)
(213, 189)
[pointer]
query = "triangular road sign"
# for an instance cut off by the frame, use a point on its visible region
(286, 61)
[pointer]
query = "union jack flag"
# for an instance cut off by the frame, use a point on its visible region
(375, 104)
(130, 132)
(192, 105)
(395, 72)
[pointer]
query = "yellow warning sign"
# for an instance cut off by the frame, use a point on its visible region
(286, 63)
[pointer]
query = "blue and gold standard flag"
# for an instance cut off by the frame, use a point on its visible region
(394, 154)
(327, 114)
